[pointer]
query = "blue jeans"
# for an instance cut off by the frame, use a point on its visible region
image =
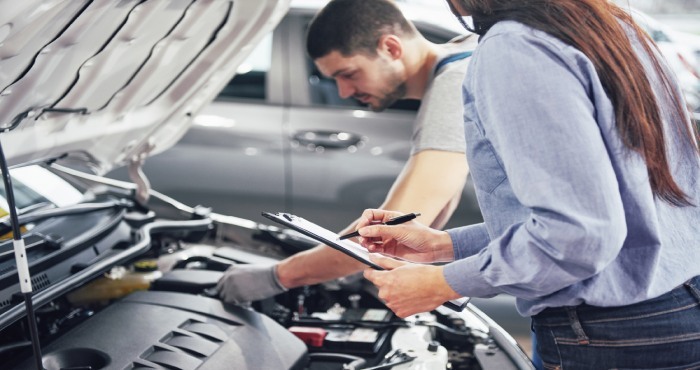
(536, 359)
(660, 333)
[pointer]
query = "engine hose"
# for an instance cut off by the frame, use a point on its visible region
(354, 364)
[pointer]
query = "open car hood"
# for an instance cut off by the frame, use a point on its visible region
(103, 82)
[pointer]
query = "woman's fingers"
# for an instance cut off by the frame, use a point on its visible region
(377, 238)
(386, 262)
(374, 231)
(371, 215)
(409, 288)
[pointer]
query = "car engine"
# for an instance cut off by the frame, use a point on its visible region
(124, 285)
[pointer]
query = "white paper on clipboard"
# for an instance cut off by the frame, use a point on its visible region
(348, 247)
(323, 235)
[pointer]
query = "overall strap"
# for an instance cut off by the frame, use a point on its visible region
(451, 58)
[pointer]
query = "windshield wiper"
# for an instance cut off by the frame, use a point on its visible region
(42, 214)
(34, 207)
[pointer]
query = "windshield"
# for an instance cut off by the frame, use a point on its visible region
(36, 187)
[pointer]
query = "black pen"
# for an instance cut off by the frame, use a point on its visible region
(394, 221)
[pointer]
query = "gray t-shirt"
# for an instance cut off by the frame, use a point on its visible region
(439, 123)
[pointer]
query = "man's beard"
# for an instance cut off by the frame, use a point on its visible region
(396, 92)
(390, 98)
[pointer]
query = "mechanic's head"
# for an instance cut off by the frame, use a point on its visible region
(360, 43)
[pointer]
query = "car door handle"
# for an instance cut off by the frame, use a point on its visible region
(327, 139)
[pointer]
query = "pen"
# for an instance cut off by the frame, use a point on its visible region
(394, 221)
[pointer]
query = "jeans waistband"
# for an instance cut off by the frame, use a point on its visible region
(685, 295)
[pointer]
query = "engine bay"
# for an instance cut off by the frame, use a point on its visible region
(122, 285)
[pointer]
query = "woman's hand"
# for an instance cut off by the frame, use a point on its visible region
(411, 240)
(409, 288)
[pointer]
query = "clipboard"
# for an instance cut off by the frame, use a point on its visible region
(348, 247)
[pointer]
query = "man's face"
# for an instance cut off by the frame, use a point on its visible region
(373, 80)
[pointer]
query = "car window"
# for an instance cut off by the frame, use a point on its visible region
(648, 26)
(660, 36)
(37, 188)
(34, 186)
(24, 197)
(251, 75)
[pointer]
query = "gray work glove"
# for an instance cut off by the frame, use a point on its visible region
(247, 283)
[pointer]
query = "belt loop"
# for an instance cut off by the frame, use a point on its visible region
(576, 326)
(692, 288)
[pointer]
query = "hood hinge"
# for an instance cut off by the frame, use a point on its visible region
(143, 186)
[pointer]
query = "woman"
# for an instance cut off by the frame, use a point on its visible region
(588, 179)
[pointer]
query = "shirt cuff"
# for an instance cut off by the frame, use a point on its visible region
(465, 277)
(469, 240)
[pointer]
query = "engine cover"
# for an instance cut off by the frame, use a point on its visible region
(176, 331)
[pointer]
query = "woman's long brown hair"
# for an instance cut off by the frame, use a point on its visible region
(593, 27)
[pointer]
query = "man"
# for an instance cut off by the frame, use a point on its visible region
(378, 57)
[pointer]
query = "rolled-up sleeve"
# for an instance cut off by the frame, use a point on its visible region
(532, 100)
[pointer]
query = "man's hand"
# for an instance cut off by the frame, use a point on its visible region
(247, 283)
(409, 288)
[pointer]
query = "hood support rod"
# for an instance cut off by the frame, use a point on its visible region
(25, 279)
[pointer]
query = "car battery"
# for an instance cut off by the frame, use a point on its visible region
(313, 337)
(362, 341)
(358, 338)
(366, 314)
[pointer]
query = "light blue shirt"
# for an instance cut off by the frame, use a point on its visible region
(569, 213)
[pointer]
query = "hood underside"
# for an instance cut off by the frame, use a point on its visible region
(102, 82)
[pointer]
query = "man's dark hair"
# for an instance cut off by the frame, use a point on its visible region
(352, 26)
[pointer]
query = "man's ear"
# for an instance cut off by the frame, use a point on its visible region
(390, 45)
